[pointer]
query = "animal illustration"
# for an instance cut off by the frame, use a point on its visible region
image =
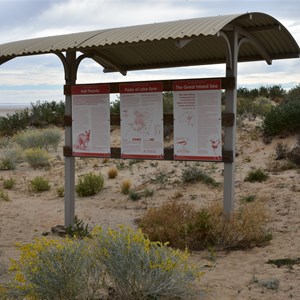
(214, 144)
(83, 140)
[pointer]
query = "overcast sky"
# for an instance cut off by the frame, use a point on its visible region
(28, 79)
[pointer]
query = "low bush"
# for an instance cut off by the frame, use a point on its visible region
(89, 184)
(39, 184)
(256, 175)
(184, 226)
(120, 261)
(195, 174)
(79, 229)
(38, 138)
(37, 157)
(55, 269)
(9, 183)
(141, 269)
(7, 163)
(284, 118)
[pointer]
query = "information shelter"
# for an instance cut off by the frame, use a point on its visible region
(225, 40)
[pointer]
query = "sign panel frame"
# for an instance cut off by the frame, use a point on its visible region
(197, 120)
(141, 113)
(91, 120)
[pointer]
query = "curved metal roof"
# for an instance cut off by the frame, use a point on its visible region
(196, 41)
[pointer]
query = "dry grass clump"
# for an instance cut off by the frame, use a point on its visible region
(125, 186)
(183, 226)
(112, 172)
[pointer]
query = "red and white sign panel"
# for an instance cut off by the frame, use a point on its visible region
(141, 108)
(197, 120)
(91, 120)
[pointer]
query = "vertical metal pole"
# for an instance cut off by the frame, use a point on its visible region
(230, 132)
(69, 161)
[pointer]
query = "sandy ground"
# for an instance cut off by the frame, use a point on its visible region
(228, 275)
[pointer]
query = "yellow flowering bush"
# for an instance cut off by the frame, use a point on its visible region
(141, 269)
(55, 269)
(120, 260)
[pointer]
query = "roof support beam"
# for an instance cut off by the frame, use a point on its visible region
(230, 132)
(255, 42)
(71, 65)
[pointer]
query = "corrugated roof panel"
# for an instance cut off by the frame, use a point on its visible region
(153, 45)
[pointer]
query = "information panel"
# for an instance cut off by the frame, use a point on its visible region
(197, 120)
(91, 120)
(141, 120)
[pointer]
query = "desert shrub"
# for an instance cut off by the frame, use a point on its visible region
(115, 106)
(249, 107)
(294, 155)
(29, 138)
(51, 137)
(55, 269)
(112, 172)
(195, 174)
(125, 186)
(43, 114)
(79, 229)
(161, 178)
(89, 184)
(60, 191)
(7, 163)
(247, 227)
(256, 175)
(9, 183)
(4, 195)
(38, 138)
(281, 150)
(12, 123)
(168, 223)
(183, 226)
(284, 118)
(294, 94)
(39, 184)
(134, 196)
(36, 157)
(10, 157)
(5, 141)
(141, 269)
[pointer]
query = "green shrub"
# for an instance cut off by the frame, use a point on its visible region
(60, 191)
(38, 138)
(30, 138)
(256, 175)
(260, 106)
(9, 183)
(194, 174)
(12, 123)
(281, 150)
(36, 157)
(89, 184)
(284, 118)
(4, 195)
(39, 184)
(134, 196)
(78, 229)
(294, 155)
(7, 164)
(41, 114)
(141, 269)
(55, 269)
(51, 137)
(46, 113)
